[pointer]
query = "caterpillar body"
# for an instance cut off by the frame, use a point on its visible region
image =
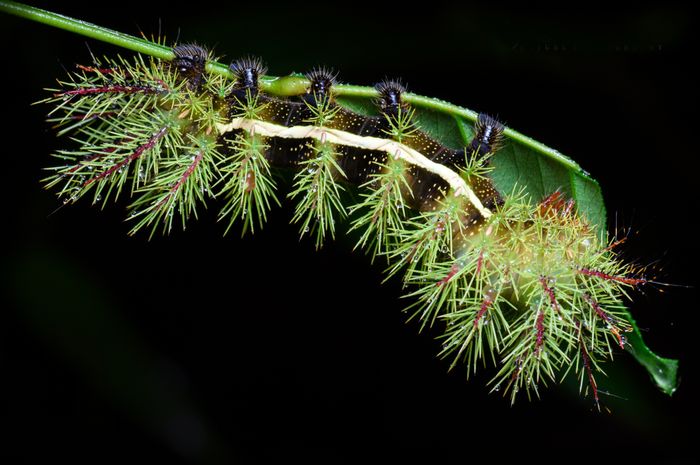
(528, 283)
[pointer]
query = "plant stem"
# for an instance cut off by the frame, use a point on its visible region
(282, 86)
(87, 29)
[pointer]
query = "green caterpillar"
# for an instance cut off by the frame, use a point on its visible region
(530, 284)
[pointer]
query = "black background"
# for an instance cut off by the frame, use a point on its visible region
(198, 348)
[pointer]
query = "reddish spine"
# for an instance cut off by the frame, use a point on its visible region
(92, 69)
(115, 89)
(605, 317)
(136, 154)
(607, 277)
(480, 262)
(485, 305)
(587, 365)
(453, 271)
(539, 326)
(188, 172)
(550, 293)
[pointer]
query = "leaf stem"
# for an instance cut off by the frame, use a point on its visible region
(282, 86)
(87, 29)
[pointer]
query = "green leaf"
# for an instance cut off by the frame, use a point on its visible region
(441, 126)
(664, 371)
(363, 106)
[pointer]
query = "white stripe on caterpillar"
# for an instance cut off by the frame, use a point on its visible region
(335, 136)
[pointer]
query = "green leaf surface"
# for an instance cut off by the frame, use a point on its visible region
(664, 371)
(361, 105)
(441, 126)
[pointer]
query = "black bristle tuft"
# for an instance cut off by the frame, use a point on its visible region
(489, 134)
(321, 80)
(190, 60)
(247, 70)
(390, 92)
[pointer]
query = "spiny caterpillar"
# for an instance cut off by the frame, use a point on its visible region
(530, 284)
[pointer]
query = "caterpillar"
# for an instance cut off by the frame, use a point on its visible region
(531, 284)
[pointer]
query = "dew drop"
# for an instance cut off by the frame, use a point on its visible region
(306, 229)
(98, 198)
(497, 388)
